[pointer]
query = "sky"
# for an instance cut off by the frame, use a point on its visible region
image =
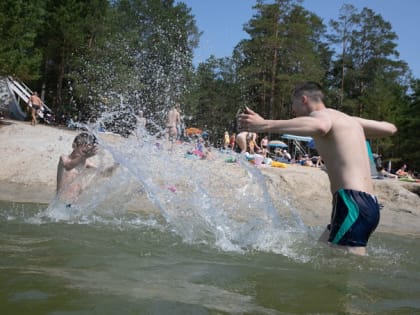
(221, 22)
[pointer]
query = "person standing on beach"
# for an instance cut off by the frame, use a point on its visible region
(36, 105)
(141, 121)
(340, 139)
(226, 140)
(264, 146)
(172, 122)
(241, 140)
(232, 141)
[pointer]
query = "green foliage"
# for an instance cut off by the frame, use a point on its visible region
(20, 24)
(143, 63)
(409, 124)
(70, 28)
(367, 55)
(122, 56)
(366, 78)
(215, 98)
(284, 48)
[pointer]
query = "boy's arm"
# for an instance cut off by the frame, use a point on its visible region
(79, 157)
(376, 129)
(69, 163)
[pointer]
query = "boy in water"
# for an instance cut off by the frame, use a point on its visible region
(340, 139)
(70, 167)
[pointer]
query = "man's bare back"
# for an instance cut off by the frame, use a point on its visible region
(36, 104)
(174, 118)
(343, 149)
(35, 100)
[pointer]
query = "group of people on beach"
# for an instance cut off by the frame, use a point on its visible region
(403, 174)
(340, 140)
(246, 142)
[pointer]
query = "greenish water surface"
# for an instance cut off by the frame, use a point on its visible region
(132, 264)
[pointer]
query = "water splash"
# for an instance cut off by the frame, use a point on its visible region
(226, 205)
(210, 202)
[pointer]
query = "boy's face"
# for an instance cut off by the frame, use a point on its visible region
(86, 149)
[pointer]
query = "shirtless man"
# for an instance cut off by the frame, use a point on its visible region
(242, 140)
(140, 131)
(36, 104)
(71, 167)
(141, 121)
(340, 139)
(264, 146)
(174, 119)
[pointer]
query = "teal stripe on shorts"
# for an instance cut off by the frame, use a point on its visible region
(352, 215)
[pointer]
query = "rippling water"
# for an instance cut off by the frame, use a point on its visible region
(203, 237)
(137, 264)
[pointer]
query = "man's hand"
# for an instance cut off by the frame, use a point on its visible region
(251, 121)
(88, 150)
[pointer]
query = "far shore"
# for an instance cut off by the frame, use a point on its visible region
(30, 155)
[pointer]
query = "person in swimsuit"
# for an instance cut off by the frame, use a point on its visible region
(36, 104)
(226, 140)
(354, 217)
(241, 141)
(232, 141)
(264, 145)
(340, 139)
(173, 120)
(252, 143)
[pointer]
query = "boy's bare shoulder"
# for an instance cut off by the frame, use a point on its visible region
(63, 158)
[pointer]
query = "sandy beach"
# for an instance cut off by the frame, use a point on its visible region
(30, 155)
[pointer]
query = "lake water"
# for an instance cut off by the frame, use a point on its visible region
(215, 245)
(134, 264)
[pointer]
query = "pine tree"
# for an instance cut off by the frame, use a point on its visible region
(20, 23)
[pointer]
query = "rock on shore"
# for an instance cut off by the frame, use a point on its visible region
(29, 163)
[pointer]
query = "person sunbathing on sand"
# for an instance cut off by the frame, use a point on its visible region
(71, 167)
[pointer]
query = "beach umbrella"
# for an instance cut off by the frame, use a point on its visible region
(277, 144)
(193, 131)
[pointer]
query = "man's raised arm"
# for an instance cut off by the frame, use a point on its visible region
(376, 129)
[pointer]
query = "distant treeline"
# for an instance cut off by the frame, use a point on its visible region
(90, 57)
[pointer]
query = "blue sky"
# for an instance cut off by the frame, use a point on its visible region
(221, 22)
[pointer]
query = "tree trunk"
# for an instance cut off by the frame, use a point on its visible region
(60, 78)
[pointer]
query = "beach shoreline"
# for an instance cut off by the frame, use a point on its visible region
(30, 157)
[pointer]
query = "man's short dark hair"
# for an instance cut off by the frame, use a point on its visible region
(311, 89)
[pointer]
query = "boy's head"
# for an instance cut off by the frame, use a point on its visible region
(305, 94)
(84, 138)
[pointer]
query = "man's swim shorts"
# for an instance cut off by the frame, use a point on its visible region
(354, 217)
